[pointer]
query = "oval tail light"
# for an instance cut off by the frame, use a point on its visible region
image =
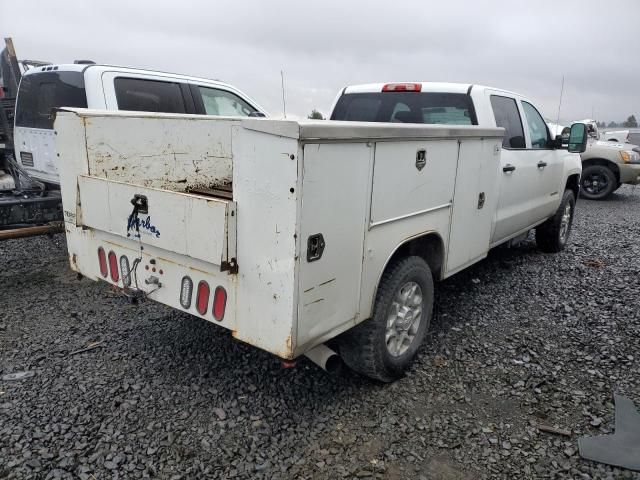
(113, 266)
(202, 297)
(102, 260)
(186, 292)
(125, 271)
(219, 303)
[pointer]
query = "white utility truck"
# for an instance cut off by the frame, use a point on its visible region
(108, 87)
(294, 233)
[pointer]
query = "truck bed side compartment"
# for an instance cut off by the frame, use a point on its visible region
(336, 183)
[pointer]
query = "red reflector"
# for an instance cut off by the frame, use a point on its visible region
(113, 266)
(102, 258)
(219, 303)
(202, 298)
(402, 87)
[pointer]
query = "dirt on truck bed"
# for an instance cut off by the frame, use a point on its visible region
(94, 387)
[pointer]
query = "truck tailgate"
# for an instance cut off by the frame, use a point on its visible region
(199, 226)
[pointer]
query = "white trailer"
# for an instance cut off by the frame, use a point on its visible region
(287, 233)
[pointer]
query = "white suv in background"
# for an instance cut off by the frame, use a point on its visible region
(103, 87)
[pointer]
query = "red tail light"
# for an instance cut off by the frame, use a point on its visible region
(202, 297)
(402, 87)
(102, 259)
(113, 266)
(219, 303)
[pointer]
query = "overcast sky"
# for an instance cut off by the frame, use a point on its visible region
(323, 46)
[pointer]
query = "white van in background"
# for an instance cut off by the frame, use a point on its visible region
(104, 87)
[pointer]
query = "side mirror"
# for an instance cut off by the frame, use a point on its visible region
(517, 142)
(257, 114)
(578, 138)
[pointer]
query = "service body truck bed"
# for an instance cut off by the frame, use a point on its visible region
(280, 229)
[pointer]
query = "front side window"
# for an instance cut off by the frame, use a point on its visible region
(507, 116)
(143, 95)
(224, 104)
(537, 126)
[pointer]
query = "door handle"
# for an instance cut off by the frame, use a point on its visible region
(542, 164)
(508, 168)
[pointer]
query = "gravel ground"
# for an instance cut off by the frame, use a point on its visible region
(520, 339)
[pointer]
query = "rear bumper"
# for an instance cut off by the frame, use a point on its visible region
(154, 274)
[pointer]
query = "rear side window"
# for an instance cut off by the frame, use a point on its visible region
(357, 108)
(143, 95)
(537, 126)
(41, 93)
(507, 116)
(223, 103)
(406, 107)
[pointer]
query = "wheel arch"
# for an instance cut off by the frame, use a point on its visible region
(605, 163)
(573, 184)
(428, 245)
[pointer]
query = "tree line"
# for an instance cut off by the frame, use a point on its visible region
(631, 122)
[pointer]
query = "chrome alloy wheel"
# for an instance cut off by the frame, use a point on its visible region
(404, 319)
(565, 223)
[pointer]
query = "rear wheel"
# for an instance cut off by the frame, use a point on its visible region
(597, 182)
(384, 346)
(552, 236)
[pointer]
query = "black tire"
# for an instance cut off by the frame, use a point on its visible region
(552, 236)
(597, 182)
(364, 348)
(618, 185)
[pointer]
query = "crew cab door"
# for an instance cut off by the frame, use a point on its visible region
(530, 170)
(517, 172)
(548, 161)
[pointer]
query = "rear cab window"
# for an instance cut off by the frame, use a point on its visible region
(406, 107)
(40, 94)
(505, 111)
(143, 95)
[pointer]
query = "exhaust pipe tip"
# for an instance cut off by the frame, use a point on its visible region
(333, 365)
(325, 358)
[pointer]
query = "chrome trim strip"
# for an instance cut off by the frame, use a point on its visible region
(413, 214)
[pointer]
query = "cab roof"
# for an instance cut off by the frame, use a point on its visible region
(436, 87)
(426, 86)
(81, 67)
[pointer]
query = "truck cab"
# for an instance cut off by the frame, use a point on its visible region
(607, 163)
(535, 170)
(104, 87)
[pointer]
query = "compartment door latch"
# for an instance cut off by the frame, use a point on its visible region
(315, 247)
(140, 203)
